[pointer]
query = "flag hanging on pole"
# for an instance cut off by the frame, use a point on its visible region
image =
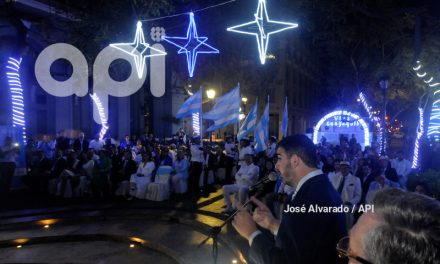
(285, 120)
(262, 131)
(191, 106)
(249, 123)
(226, 110)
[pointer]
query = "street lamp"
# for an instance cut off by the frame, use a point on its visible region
(384, 82)
(244, 100)
(210, 94)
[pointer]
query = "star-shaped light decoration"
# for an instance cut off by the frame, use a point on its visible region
(191, 45)
(262, 27)
(138, 49)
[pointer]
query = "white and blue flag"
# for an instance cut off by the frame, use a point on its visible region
(226, 110)
(249, 123)
(262, 131)
(191, 106)
(285, 120)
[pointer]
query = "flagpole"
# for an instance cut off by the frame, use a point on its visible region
(201, 114)
(237, 125)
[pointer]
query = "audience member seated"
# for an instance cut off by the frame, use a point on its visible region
(180, 178)
(120, 180)
(39, 172)
(244, 178)
(380, 182)
(81, 144)
(140, 180)
(403, 229)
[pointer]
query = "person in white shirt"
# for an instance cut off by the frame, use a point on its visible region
(271, 150)
(197, 160)
(402, 167)
(349, 187)
(244, 178)
(96, 143)
(230, 152)
(380, 183)
(180, 166)
(142, 177)
(245, 148)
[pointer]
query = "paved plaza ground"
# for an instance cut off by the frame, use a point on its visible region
(55, 230)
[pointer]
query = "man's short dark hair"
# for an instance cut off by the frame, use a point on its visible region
(302, 146)
(408, 229)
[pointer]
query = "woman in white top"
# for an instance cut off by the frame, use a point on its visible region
(140, 180)
(180, 166)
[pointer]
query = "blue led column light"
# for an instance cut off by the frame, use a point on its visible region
(191, 45)
(196, 124)
(374, 120)
(102, 116)
(13, 76)
(415, 161)
(138, 49)
(262, 27)
(433, 131)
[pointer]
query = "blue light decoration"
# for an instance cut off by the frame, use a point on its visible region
(262, 28)
(415, 161)
(196, 124)
(433, 131)
(138, 49)
(375, 120)
(191, 45)
(17, 100)
(102, 116)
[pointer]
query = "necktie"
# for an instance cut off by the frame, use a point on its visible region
(341, 185)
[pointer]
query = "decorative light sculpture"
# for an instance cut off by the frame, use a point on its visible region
(262, 28)
(433, 130)
(138, 50)
(17, 100)
(373, 119)
(191, 45)
(196, 123)
(415, 161)
(102, 116)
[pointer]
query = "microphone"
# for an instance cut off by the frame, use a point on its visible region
(269, 178)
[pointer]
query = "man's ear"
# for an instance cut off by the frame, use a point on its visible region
(294, 160)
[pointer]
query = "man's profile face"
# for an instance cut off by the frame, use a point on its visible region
(284, 167)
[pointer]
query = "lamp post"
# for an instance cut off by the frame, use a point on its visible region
(211, 95)
(384, 82)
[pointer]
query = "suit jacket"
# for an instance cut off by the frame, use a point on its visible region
(305, 238)
(77, 145)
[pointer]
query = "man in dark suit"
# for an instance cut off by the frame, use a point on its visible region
(81, 144)
(300, 237)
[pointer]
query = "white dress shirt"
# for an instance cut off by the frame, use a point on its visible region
(196, 153)
(247, 175)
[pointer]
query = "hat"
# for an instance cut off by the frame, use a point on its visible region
(344, 163)
(383, 157)
(244, 138)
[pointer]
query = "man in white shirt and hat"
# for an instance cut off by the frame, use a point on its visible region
(349, 187)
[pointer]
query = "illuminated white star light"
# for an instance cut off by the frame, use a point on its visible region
(138, 50)
(262, 27)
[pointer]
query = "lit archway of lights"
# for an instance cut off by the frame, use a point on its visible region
(102, 115)
(17, 100)
(433, 130)
(344, 113)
